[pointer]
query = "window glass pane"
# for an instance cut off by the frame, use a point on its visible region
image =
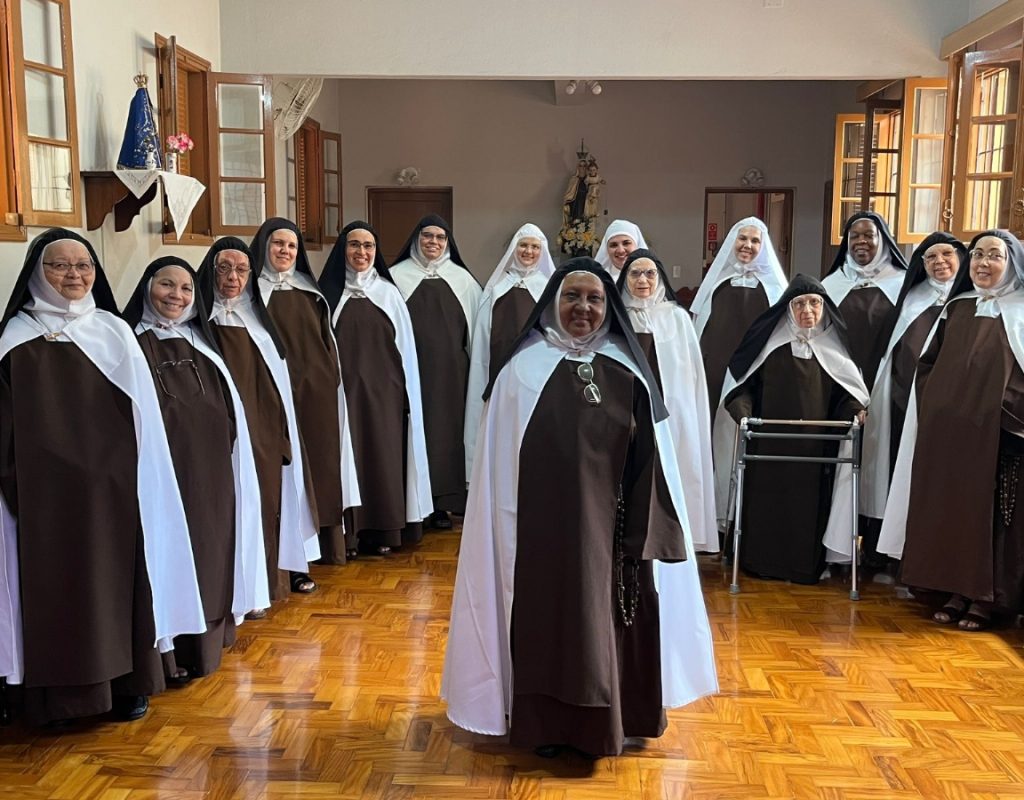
(243, 203)
(50, 170)
(886, 132)
(924, 210)
(292, 208)
(929, 111)
(886, 206)
(884, 174)
(333, 224)
(853, 139)
(44, 103)
(995, 90)
(851, 186)
(992, 147)
(241, 155)
(331, 183)
(926, 161)
(240, 106)
(987, 205)
(331, 155)
(850, 207)
(40, 32)
(290, 179)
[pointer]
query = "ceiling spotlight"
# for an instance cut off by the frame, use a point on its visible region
(595, 87)
(570, 87)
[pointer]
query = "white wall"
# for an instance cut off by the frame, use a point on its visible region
(508, 151)
(113, 41)
(828, 39)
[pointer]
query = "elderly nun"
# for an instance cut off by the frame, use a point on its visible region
(793, 363)
(509, 297)
(212, 456)
(558, 635)
(97, 566)
(249, 343)
(302, 318)
(620, 239)
(382, 381)
(443, 297)
(952, 514)
(930, 277)
(743, 280)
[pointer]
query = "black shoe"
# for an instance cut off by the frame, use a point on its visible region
(548, 750)
(131, 707)
(441, 521)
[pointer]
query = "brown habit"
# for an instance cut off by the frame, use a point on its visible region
(303, 323)
(377, 406)
(196, 408)
(581, 677)
(905, 354)
(508, 316)
(970, 393)
(733, 309)
(869, 317)
(786, 504)
(268, 430)
(442, 333)
(68, 470)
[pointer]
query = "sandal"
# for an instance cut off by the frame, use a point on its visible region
(181, 677)
(257, 613)
(977, 618)
(351, 554)
(952, 611)
(302, 583)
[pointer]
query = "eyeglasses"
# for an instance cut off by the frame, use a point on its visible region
(361, 246)
(435, 237)
(980, 255)
(64, 267)
(591, 392)
(813, 302)
(650, 274)
(168, 365)
(227, 269)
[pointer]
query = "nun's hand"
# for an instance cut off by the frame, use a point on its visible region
(862, 415)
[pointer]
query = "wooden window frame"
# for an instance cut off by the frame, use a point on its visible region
(838, 162)
(309, 206)
(19, 211)
(873, 155)
(911, 86)
(330, 237)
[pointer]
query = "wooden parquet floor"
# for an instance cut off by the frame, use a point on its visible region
(334, 695)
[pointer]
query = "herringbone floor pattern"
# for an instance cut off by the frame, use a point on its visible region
(335, 696)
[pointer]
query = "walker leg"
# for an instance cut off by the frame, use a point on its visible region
(854, 550)
(737, 530)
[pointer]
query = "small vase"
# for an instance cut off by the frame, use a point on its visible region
(171, 162)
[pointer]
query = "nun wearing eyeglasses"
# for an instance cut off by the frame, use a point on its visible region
(302, 318)
(382, 390)
(933, 269)
(97, 568)
(743, 280)
(793, 363)
(255, 356)
(213, 459)
(442, 297)
(666, 335)
(572, 621)
(620, 239)
(954, 513)
(509, 297)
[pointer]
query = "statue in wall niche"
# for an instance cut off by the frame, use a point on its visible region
(581, 206)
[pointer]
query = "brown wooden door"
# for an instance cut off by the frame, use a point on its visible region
(395, 210)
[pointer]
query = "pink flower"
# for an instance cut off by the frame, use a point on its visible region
(180, 143)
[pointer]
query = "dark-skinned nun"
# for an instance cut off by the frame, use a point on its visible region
(509, 297)
(302, 319)
(382, 388)
(213, 460)
(97, 567)
(247, 339)
(443, 297)
(573, 625)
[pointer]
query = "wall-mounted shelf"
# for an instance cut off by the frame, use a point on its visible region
(104, 192)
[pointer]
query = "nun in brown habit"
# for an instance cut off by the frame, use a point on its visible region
(558, 635)
(955, 507)
(248, 340)
(212, 458)
(382, 393)
(98, 563)
(793, 363)
(443, 297)
(302, 318)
